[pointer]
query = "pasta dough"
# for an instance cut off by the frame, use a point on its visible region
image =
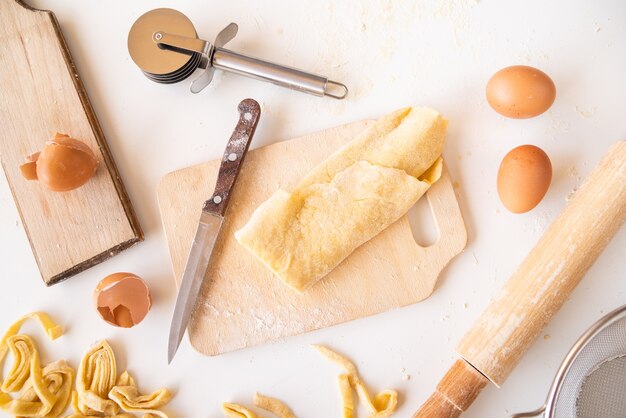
(348, 199)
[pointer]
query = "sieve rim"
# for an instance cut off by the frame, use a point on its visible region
(555, 389)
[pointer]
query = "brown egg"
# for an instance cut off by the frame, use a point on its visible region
(65, 163)
(520, 92)
(523, 178)
(122, 299)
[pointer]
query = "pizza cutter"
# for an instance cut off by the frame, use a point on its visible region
(165, 46)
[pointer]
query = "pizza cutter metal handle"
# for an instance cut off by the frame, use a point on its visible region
(281, 75)
(234, 62)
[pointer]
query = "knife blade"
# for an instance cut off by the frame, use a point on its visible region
(210, 223)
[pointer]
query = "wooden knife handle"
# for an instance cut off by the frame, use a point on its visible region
(540, 285)
(235, 153)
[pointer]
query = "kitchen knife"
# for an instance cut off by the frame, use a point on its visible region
(537, 289)
(211, 220)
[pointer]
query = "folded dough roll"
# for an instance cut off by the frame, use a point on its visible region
(349, 198)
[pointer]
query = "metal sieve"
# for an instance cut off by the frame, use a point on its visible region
(591, 382)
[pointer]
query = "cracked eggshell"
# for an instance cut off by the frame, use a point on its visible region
(122, 299)
(65, 163)
(29, 168)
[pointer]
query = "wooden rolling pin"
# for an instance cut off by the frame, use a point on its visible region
(536, 291)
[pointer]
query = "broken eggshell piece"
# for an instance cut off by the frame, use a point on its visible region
(122, 299)
(64, 164)
(29, 168)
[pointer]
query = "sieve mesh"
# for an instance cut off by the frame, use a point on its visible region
(604, 390)
(595, 385)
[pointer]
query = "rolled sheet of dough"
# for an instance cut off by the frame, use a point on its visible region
(349, 198)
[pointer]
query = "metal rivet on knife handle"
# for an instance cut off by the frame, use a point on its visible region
(237, 145)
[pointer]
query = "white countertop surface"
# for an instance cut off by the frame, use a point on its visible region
(390, 54)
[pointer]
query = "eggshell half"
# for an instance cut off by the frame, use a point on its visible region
(122, 299)
(29, 168)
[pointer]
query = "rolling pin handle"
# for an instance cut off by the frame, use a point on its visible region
(438, 406)
(455, 392)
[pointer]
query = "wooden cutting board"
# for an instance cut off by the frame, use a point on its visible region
(41, 94)
(242, 304)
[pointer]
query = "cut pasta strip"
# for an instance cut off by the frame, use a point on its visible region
(26, 366)
(273, 405)
(59, 379)
(96, 377)
(233, 410)
(125, 379)
(101, 391)
(53, 331)
(46, 393)
(129, 399)
(383, 405)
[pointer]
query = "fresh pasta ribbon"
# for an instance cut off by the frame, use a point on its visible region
(125, 379)
(52, 330)
(100, 391)
(345, 390)
(273, 405)
(114, 416)
(59, 379)
(26, 366)
(46, 392)
(383, 405)
(233, 410)
(129, 399)
(96, 377)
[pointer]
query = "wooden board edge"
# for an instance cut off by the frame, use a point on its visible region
(27, 6)
(97, 259)
(82, 266)
(122, 194)
(453, 244)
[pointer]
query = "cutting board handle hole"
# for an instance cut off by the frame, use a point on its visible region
(422, 223)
